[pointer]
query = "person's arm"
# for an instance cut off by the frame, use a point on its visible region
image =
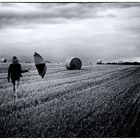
(9, 72)
(23, 71)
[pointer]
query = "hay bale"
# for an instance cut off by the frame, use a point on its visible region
(73, 63)
(3, 60)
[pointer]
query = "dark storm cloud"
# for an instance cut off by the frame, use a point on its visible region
(20, 14)
(127, 5)
(49, 13)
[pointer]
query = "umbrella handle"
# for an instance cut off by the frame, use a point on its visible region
(28, 70)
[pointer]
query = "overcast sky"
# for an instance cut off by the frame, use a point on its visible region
(90, 31)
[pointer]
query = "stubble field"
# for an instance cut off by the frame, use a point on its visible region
(96, 101)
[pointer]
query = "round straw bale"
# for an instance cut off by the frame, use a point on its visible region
(73, 63)
(3, 60)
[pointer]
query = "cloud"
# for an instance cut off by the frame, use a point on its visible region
(20, 14)
(15, 14)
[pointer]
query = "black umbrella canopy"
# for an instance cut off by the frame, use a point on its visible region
(40, 64)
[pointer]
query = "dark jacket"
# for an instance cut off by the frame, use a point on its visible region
(14, 71)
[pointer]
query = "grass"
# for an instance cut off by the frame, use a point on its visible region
(79, 103)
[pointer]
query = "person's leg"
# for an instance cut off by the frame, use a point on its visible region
(13, 81)
(16, 87)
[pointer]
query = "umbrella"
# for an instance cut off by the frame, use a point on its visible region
(40, 64)
(48, 61)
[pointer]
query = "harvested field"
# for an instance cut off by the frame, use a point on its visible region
(96, 101)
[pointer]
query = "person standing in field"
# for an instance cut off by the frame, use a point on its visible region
(14, 73)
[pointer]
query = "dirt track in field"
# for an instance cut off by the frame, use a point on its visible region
(101, 101)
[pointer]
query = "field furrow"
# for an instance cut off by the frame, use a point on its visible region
(96, 101)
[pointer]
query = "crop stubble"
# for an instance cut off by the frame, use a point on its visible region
(97, 101)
